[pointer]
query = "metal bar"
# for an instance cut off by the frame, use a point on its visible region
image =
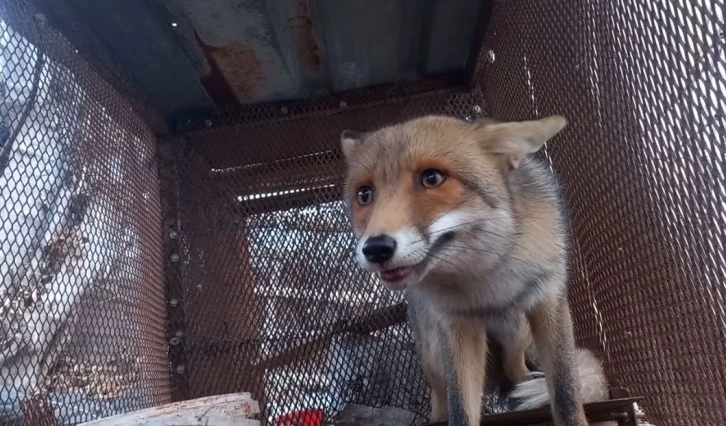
(610, 410)
(169, 195)
(276, 112)
(378, 320)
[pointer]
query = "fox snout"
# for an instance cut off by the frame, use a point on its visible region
(396, 256)
(379, 249)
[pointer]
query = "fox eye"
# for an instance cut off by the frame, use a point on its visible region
(432, 178)
(365, 195)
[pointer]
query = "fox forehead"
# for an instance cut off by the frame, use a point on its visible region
(391, 161)
(430, 142)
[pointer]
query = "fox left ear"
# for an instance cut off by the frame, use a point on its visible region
(349, 142)
(516, 140)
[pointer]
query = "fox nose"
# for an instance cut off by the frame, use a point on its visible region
(379, 249)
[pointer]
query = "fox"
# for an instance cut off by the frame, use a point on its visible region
(466, 221)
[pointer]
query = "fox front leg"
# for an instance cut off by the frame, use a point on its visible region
(551, 325)
(464, 364)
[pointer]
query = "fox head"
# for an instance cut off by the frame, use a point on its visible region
(431, 197)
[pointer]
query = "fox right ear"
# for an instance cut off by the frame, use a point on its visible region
(517, 139)
(349, 142)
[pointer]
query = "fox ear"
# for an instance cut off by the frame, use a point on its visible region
(349, 142)
(515, 140)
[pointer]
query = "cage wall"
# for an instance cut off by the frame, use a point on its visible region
(273, 302)
(642, 164)
(262, 293)
(82, 318)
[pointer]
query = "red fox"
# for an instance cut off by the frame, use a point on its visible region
(460, 217)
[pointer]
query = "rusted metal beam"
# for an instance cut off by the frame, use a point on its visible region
(611, 410)
(171, 239)
(276, 112)
(378, 320)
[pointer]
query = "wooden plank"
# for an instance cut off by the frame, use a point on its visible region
(219, 410)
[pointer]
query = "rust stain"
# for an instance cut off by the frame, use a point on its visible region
(302, 32)
(241, 69)
(213, 81)
(235, 73)
(301, 29)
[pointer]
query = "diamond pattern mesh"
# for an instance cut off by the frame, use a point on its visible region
(273, 299)
(262, 292)
(642, 163)
(82, 323)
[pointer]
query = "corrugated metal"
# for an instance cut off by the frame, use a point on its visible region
(197, 54)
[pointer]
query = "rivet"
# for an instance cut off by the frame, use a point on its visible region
(343, 104)
(208, 123)
(174, 303)
(180, 369)
(491, 56)
(174, 257)
(173, 235)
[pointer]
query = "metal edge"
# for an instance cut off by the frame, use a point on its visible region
(171, 240)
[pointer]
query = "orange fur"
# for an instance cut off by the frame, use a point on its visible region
(481, 254)
(409, 203)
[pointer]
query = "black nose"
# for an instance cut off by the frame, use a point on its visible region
(379, 249)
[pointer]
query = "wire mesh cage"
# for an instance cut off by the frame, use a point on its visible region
(136, 270)
(82, 322)
(267, 246)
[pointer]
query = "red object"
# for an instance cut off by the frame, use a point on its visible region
(311, 417)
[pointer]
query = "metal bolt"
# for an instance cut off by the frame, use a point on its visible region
(174, 258)
(174, 303)
(208, 122)
(284, 110)
(179, 333)
(174, 341)
(173, 235)
(491, 56)
(343, 104)
(180, 369)
(477, 109)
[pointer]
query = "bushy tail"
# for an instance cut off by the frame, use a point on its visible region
(532, 393)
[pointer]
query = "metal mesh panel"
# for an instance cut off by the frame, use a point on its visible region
(82, 318)
(273, 302)
(289, 316)
(642, 163)
(262, 291)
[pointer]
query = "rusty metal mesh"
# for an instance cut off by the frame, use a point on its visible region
(272, 299)
(262, 291)
(82, 318)
(642, 163)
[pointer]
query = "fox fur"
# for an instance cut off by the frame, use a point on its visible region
(460, 217)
